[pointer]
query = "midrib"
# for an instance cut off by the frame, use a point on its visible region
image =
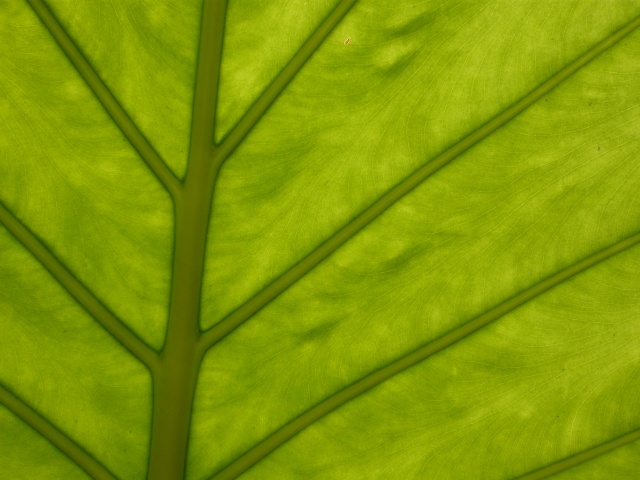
(180, 359)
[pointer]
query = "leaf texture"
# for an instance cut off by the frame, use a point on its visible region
(326, 239)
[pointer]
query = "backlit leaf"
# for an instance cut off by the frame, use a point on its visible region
(330, 239)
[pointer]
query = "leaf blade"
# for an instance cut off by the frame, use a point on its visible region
(119, 116)
(55, 436)
(78, 291)
(363, 385)
(542, 185)
(335, 132)
(583, 457)
(253, 305)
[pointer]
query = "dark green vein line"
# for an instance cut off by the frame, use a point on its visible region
(299, 270)
(257, 110)
(78, 291)
(207, 79)
(111, 105)
(582, 457)
(67, 446)
(175, 384)
(268, 445)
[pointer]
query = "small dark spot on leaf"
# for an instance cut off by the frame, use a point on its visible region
(346, 42)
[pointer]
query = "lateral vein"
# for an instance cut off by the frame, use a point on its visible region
(269, 444)
(300, 269)
(59, 439)
(78, 290)
(106, 98)
(582, 457)
(258, 109)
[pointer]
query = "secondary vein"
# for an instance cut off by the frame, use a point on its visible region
(78, 290)
(258, 109)
(300, 269)
(582, 457)
(269, 444)
(59, 439)
(106, 98)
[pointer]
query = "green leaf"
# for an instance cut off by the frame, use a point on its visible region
(324, 239)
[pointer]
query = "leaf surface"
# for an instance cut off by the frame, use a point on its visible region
(420, 260)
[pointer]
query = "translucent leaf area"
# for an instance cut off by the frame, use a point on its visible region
(330, 239)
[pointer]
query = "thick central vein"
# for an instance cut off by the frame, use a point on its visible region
(175, 383)
(304, 266)
(269, 444)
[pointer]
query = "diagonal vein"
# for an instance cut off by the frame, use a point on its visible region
(299, 270)
(257, 110)
(582, 457)
(78, 291)
(106, 98)
(269, 444)
(60, 440)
